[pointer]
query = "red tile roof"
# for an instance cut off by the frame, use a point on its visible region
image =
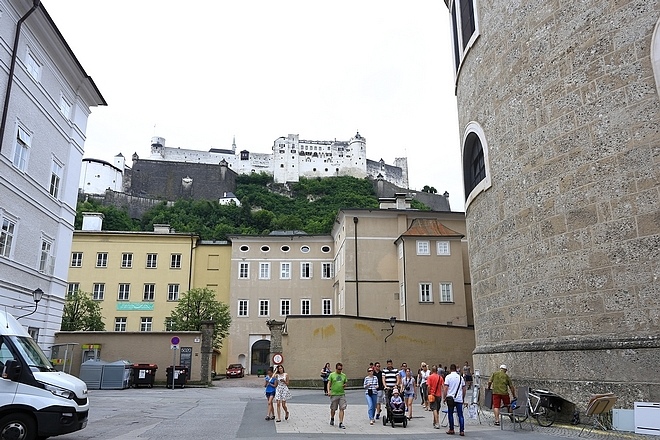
(429, 227)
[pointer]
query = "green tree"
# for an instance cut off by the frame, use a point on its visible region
(429, 189)
(82, 313)
(197, 305)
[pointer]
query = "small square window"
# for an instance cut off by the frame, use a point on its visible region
(76, 259)
(152, 261)
(146, 324)
(120, 324)
(102, 259)
(423, 247)
(442, 248)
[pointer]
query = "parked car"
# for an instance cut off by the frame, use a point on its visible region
(235, 370)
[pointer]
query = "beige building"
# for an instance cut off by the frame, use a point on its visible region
(137, 277)
(273, 276)
(410, 264)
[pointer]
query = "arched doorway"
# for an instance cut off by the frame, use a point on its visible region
(260, 357)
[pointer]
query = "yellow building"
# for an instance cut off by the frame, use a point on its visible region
(211, 270)
(137, 277)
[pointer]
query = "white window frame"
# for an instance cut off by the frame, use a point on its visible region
(120, 324)
(264, 270)
(71, 288)
(98, 291)
(56, 173)
(175, 261)
(7, 234)
(264, 307)
(124, 292)
(101, 259)
(243, 308)
(305, 306)
(443, 247)
(285, 307)
(149, 292)
(326, 306)
(22, 147)
(425, 293)
(152, 261)
(146, 324)
(244, 270)
(423, 247)
(285, 270)
(457, 34)
(46, 257)
(173, 292)
(127, 260)
(446, 293)
(33, 66)
(76, 259)
(306, 270)
(327, 271)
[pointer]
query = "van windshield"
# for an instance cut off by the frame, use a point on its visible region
(32, 354)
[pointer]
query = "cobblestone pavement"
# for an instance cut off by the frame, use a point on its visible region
(235, 409)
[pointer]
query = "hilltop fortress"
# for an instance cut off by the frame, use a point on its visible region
(292, 158)
(172, 173)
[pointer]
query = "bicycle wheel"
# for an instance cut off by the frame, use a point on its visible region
(520, 418)
(546, 416)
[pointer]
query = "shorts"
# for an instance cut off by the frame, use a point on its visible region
(380, 396)
(337, 402)
(270, 394)
(468, 378)
(500, 400)
(435, 405)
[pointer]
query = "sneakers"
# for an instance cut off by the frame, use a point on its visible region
(332, 422)
(377, 416)
(341, 426)
(371, 422)
(436, 426)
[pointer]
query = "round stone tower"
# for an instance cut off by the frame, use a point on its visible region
(560, 112)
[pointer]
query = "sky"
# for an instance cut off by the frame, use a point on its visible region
(198, 73)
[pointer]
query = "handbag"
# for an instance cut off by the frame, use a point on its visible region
(450, 399)
(431, 398)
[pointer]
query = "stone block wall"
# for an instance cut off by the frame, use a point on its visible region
(565, 244)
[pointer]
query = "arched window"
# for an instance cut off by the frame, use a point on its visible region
(476, 173)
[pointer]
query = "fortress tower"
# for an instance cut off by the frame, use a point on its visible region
(559, 110)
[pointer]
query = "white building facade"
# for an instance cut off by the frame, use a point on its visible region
(48, 100)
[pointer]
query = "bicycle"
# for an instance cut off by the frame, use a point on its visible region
(541, 405)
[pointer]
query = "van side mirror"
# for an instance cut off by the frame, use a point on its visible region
(12, 370)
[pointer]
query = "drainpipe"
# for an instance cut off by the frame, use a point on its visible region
(357, 284)
(10, 79)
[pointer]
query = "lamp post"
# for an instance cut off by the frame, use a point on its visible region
(392, 324)
(37, 294)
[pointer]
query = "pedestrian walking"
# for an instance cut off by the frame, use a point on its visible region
(282, 393)
(270, 383)
(409, 391)
(325, 372)
(501, 384)
(371, 393)
(337, 385)
(454, 396)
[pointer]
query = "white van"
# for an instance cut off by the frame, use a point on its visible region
(36, 401)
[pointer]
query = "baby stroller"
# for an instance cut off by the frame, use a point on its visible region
(394, 414)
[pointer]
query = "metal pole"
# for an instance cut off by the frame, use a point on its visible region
(173, 364)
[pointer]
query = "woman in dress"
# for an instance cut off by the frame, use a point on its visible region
(409, 391)
(371, 393)
(270, 383)
(282, 393)
(325, 373)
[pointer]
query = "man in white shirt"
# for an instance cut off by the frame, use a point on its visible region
(453, 394)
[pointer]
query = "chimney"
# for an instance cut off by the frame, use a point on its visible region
(161, 228)
(92, 221)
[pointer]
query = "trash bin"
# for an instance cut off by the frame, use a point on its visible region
(91, 372)
(116, 375)
(180, 374)
(144, 374)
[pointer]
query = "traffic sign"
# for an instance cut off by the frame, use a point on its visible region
(175, 340)
(174, 346)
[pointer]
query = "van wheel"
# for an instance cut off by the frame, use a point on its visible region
(18, 426)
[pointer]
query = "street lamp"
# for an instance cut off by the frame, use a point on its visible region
(392, 324)
(37, 294)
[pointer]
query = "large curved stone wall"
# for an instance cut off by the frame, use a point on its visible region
(565, 243)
